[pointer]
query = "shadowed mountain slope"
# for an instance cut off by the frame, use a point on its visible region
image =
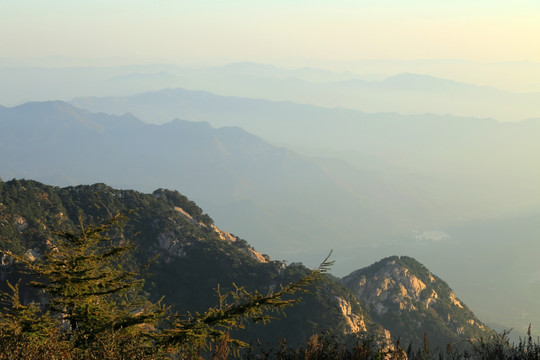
(194, 256)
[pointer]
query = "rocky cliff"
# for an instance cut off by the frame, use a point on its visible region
(410, 301)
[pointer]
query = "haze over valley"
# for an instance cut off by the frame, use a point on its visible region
(423, 144)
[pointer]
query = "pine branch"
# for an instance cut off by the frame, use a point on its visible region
(215, 323)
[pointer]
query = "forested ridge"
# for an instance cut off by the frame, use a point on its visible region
(169, 276)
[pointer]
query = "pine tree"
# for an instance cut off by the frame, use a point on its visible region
(95, 305)
(90, 283)
(18, 319)
(235, 309)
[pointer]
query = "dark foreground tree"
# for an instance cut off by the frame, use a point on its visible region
(90, 284)
(95, 308)
(235, 309)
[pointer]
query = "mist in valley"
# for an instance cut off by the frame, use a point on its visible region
(370, 153)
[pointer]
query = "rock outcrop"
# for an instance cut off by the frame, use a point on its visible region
(409, 300)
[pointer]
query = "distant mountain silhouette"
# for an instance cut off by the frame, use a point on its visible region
(407, 93)
(414, 176)
(446, 159)
(272, 194)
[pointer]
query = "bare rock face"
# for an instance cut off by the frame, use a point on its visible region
(20, 223)
(254, 254)
(170, 243)
(409, 300)
(353, 322)
(173, 245)
(393, 284)
(186, 215)
(223, 235)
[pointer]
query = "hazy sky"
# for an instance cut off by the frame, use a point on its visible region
(484, 35)
(485, 31)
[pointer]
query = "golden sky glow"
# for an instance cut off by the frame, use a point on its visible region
(260, 30)
(287, 33)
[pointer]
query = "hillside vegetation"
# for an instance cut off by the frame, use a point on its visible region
(192, 256)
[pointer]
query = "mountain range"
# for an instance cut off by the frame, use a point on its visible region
(296, 207)
(403, 92)
(253, 187)
(195, 256)
(453, 164)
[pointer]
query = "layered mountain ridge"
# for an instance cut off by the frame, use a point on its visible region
(258, 190)
(404, 92)
(290, 205)
(438, 159)
(195, 256)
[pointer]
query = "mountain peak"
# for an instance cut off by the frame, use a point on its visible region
(405, 297)
(420, 80)
(54, 116)
(52, 105)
